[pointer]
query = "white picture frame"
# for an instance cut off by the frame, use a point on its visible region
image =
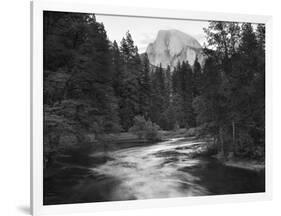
(37, 8)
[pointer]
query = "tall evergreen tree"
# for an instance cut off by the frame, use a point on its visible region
(209, 104)
(158, 95)
(145, 88)
(197, 78)
(129, 103)
(224, 39)
(186, 93)
(183, 94)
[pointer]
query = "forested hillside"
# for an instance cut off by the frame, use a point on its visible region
(96, 86)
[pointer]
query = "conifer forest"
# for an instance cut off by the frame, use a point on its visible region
(118, 126)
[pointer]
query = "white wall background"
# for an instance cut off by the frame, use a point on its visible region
(14, 105)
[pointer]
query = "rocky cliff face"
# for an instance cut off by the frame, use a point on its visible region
(173, 46)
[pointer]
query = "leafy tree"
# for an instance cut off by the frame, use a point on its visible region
(239, 54)
(223, 37)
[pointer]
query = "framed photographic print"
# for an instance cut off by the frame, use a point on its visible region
(135, 107)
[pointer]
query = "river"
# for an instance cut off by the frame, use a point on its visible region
(162, 170)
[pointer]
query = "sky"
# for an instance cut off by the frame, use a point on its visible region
(144, 30)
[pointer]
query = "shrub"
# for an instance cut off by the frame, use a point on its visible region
(191, 132)
(151, 131)
(145, 129)
(139, 126)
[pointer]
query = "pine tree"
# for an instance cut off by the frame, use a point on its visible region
(186, 93)
(224, 39)
(208, 105)
(168, 83)
(145, 88)
(253, 86)
(129, 102)
(117, 67)
(260, 35)
(196, 78)
(158, 104)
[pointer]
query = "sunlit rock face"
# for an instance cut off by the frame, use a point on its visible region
(173, 46)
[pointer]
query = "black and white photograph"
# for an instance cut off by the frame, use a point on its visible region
(138, 108)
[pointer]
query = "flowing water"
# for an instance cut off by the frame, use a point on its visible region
(163, 170)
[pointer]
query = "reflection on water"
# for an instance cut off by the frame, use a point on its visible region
(167, 169)
(153, 172)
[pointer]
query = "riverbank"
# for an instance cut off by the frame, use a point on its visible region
(242, 163)
(210, 150)
(252, 165)
(128, 139)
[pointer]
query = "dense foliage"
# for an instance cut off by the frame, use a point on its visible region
(93, 85)
(231, 105)
(145, 129)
